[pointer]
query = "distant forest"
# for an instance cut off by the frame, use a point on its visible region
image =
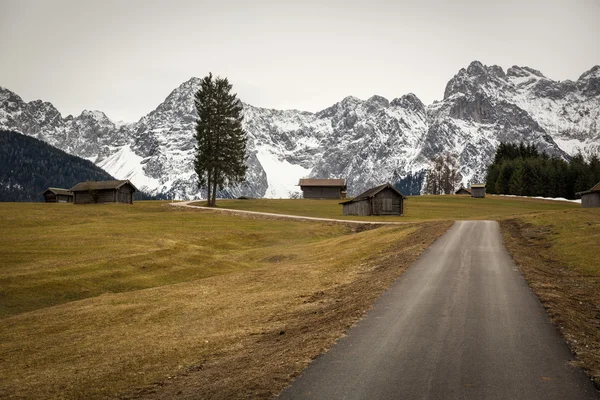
(519, 169)
(29, 166)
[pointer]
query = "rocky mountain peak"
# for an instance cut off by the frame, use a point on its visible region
(95, 115)
(593, 73)
(476, 68)
(410, 102)
(476, 77)
(350, 102)
(524, 72)
(6, 95)
(376, 102)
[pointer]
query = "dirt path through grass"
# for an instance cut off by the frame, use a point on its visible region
(281, 216)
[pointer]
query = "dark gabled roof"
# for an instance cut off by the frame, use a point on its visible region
(463, 188)
(100, 185)
(595, 188)
(323, 182)
(63, 192)
(372, 192)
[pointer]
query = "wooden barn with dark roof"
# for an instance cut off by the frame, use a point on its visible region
(323, 188)
(103, 192)
(478, 190)
(381, 200)
(58, 195)
(590, 198)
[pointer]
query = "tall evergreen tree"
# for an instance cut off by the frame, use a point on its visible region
(220, 138)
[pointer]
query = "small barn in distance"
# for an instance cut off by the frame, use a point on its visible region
(323, 188)
(463, 190)
(57, 195)
(590, 198)
(381, 200)
(103, 192)
(478, 190)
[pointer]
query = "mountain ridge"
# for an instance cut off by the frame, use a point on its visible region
(366, 141)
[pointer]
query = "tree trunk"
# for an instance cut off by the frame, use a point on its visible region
(208, 191)
(214, 193)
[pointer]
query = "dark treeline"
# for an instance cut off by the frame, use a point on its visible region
(521, 170)
(29, 166)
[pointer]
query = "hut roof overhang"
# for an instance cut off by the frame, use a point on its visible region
(594, 189)
(465, 189)
(59, 191)
(323, 182)
(478, 186)
(372, 192)
(100, 185)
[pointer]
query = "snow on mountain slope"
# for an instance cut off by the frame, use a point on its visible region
(283, 177)
(368, 142)
(128, 165)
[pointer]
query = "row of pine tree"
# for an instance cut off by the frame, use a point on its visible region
(521, 170)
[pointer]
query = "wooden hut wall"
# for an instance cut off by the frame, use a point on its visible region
(387, 202)
(125, 194)
(478, 192)
(61, 198)
(361, 207)
(321, 192)
(50, 197)
(104, 196)
(590, 200)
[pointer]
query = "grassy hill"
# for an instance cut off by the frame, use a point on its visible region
(29, 166)
(111, 301)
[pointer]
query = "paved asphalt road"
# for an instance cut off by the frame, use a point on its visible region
(461, 323)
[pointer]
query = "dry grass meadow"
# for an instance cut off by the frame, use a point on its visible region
(149, 301)
(559, 255)
(416, 208)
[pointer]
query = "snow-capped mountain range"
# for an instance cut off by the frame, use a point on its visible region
(368, 142)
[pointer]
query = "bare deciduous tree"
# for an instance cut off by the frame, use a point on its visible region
(444, 175)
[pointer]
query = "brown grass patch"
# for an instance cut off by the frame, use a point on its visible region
(147, 301)
(569, 292)
(264, 361)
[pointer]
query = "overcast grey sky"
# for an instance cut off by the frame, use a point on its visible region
(124, 57)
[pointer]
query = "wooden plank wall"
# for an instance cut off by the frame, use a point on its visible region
(478, 192)
(321, 192)
(361, 207)
(392, 199)
(590, 200)
(125, 194)
(104, 196)
(50, 197)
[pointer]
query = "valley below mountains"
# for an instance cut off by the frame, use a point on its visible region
(368, 142)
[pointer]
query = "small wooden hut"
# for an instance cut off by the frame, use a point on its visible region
(58, 195)
(463, 190)
(590, 198)
(103, 192)
(381, 200)
(478, 190)
(323, 188)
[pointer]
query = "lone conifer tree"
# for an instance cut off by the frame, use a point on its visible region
(220, 139)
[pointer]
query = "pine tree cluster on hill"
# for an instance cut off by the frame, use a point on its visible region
(29, 166)
(519, 169)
